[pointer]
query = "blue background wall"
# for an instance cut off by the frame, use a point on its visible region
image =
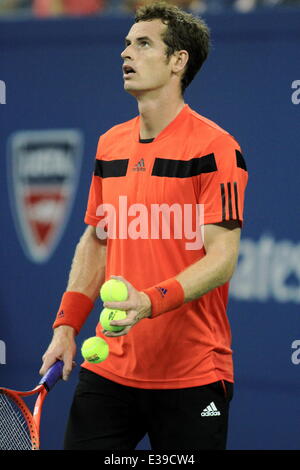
(66, 74)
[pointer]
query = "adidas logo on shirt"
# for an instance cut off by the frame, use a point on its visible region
(211, 410)
(140, 166)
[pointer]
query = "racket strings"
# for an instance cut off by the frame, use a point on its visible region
(14, 430)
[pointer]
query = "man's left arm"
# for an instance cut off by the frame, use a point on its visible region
(221, 243)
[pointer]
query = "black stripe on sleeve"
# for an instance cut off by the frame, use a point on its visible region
(111, 168)
(236, 200)
(240, 161)
(184, 169)
(229, 200)
(223, 197)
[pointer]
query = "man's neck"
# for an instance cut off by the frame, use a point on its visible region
(155, 115)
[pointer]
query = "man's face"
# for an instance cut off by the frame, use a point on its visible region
(146, 67)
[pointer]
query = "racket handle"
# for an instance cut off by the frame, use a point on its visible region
(52, 375)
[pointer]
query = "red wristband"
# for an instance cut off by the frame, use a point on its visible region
(73, 310)
(165, 296)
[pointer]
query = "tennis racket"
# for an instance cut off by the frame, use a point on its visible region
(19, 428)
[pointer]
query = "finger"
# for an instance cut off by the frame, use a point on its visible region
(118, 305)
(125, 322)
(48, 361)
(130, 320)
(68, 365)
(114, 334)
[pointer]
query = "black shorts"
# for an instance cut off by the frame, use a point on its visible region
(108, 416)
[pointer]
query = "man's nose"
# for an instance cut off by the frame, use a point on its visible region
(126, 52)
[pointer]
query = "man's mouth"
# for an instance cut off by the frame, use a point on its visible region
(128, 70)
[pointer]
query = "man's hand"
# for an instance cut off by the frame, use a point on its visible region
(62, 347)
(137, 307)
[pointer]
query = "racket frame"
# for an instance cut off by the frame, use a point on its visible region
(33, 419)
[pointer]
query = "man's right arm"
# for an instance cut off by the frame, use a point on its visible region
(87, 274)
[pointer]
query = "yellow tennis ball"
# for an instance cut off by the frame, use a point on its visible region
(107, 315)
(113, 291)
(95, 349)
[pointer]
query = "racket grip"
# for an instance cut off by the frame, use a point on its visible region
(52, 375)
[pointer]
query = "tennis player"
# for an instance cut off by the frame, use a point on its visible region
(170, 370)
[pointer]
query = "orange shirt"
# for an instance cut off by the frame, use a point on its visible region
(191, 162)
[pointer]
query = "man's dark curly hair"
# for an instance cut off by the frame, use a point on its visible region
(184, 31)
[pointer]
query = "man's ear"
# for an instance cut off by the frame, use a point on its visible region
(180, 60)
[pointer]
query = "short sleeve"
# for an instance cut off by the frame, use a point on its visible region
(222, 189)
(95, 193)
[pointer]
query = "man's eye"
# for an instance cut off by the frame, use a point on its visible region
(144, 43)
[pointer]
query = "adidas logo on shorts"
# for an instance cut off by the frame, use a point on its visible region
(211, 410)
